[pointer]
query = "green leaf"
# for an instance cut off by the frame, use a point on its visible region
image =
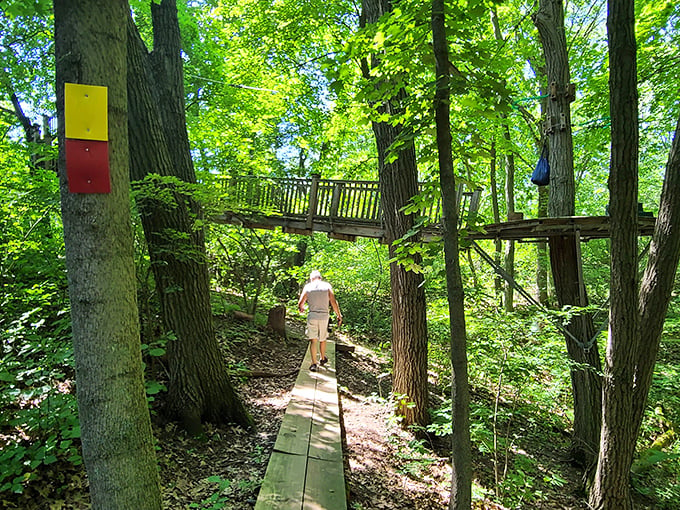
(154, 387)
(7, 377)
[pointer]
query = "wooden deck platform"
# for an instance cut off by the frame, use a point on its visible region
(306, 469)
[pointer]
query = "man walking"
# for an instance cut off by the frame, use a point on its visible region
(318, 294)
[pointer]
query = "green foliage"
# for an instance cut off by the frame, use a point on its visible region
(17, 8)
(38, 423)
(519, 375)
(225, 488)
(218, 500)
(657, 466)
(252, 264)
(26, 50)
(153, 356)
(416, 457)
(655, 476)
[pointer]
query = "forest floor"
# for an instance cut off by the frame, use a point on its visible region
(386, 467)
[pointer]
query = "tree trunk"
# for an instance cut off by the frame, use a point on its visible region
(542, 250)
(658, 279)
(510, 204)
(398, 184)
(38, 145)
(461, 483)
(611, 487)
(199, 387)
(582, 350)
(509, 291)
(564, 251)
(509, 263)
(90, 48)
(498, 244)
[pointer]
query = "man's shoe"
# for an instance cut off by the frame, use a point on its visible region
(323, 361)
(314, 367)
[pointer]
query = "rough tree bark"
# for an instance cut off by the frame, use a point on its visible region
(398, 184)
(565, 250)
(611, 487)
(90, 48)
(631, 353)
(199, 387)
(461, 457)
(542, 250)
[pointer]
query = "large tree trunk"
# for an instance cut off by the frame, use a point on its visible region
(564, 250)
(461, 457)
(631, 354)
(409, 326)
(542, 250)
(658, 279)
(398, 184)
(582, 350)
(199, 387)
(611, 488)
(90, 47)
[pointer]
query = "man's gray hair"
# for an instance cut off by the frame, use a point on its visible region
(314, 274)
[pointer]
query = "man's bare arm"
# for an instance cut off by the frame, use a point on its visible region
(336, 308)
(302, 301)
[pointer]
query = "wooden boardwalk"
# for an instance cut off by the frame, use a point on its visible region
(306, 469)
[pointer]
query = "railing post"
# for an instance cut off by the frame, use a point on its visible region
(335, 200)
(313, 200)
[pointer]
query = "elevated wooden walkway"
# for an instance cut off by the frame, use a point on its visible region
(583, 227)
(306, 469)
(350, 209)
(344, 209)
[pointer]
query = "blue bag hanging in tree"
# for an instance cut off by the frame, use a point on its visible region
(541, 175)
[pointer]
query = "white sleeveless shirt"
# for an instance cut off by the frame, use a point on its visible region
(318, 298)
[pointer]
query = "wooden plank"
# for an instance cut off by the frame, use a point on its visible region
(325, 486)
(305, 377)
(284, 482)
(325, 440)
(295, 432)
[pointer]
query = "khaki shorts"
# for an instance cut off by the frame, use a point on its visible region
(317, 328)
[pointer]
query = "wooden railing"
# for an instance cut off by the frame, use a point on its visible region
(343, 208)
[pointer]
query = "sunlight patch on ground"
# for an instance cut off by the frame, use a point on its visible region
(279, 401)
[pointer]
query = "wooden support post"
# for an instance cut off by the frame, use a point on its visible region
(583, 301)
(313, 200)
